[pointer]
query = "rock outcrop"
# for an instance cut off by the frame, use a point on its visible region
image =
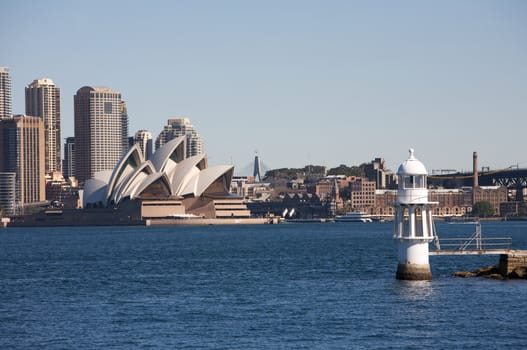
(493, 272)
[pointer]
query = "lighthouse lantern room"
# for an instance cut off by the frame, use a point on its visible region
(414, 227)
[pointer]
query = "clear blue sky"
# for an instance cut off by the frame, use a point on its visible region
(301, 82)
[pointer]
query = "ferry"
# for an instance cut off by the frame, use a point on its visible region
(354, 216)
(185, 216)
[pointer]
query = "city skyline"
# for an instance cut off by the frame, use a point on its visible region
(300, 82)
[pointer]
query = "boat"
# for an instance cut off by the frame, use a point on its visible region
(354, 216)
(309, 221)
(185, 216)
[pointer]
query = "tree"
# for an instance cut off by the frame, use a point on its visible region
(345, 193)
(482, 209)
(348, 171)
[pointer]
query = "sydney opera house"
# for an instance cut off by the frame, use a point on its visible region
(166, 186)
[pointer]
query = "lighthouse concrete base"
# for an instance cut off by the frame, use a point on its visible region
(413, 272)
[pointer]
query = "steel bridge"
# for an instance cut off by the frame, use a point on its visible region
(509, 177)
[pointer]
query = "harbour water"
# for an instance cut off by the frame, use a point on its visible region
(295, 286)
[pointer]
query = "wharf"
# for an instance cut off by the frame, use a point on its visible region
(512, 263)
(472, 252)
(205, 222)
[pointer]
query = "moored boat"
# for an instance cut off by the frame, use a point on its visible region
(354, 216)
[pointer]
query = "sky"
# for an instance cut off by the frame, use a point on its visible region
(298, 82)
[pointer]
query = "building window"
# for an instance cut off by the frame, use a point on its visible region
(409, 181)
(412, 181)
(107, 107)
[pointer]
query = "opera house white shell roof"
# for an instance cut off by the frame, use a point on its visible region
(166, 175)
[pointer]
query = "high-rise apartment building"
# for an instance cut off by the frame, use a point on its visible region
(43, 100)
(7, 193)
(181, 127)
(22, 140)
(124, 130)
(144, 139)
(5, 93)
(99, 124)
(68, 165)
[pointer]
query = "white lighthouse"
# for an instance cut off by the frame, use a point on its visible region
(414, 227)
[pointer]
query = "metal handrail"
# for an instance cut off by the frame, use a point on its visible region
(482, 244)
(473, 243)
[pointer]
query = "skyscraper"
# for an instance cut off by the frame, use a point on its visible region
(22, 140)
(144, 139)
(7, 193)
(181, 127)
(5, 93)
(68, 166)
(99, 124)
(124, 130)
(43, 100)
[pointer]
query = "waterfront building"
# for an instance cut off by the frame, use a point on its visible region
(250, 190)
(495, 195)
(383, 203)
(177, 127)
(23, 140)
(451, 202)
(167, 186)
(68, 166)
(7, 193)
(292, 205)
(295, 205)
(513, 209)
(383, 177)
(455, 202)
(362, 194)
(144, 139)
(5, 93)
(60, 192)
(327, 190)
(43, 100)
(99, 136)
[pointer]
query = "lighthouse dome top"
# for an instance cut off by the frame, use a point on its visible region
(412, 166)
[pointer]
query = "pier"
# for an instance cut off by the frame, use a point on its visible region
(471, 252)
(511, 260)
(475, 245)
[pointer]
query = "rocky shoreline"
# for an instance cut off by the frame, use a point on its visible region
(494, 272)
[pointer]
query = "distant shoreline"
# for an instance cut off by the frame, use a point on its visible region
(101, 217)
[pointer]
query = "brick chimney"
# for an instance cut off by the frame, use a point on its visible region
(475, 168)
(475, 176)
